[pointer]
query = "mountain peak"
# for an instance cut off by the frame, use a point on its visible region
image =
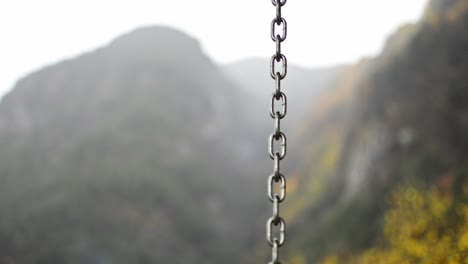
(154, 35)
(161, 40)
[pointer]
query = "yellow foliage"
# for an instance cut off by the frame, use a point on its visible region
(420, 228)
(331, 260)
(298, 259)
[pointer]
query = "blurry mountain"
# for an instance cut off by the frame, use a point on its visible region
(144, 151)
(399, 119)
(302, 85)
(132, 153)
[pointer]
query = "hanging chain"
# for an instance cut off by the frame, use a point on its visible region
(277, 138)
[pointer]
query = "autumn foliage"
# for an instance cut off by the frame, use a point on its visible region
(426, 227)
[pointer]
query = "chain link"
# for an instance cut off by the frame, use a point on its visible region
(276, 222)
(271, 184)
(284, 66)
(284, 103)
(271, 148)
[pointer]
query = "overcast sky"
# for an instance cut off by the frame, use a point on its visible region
(320, 32)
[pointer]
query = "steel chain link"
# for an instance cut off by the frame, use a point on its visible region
(277, 137)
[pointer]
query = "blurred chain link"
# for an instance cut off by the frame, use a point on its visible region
(277, 141)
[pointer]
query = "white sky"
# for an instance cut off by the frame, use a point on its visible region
(320, 32)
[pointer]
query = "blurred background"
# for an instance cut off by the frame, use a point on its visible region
(136, 132)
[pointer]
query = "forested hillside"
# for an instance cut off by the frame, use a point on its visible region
(121, 156)
(142, 151)
(145, 151)
(389, 146)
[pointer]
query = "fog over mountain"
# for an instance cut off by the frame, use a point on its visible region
(109, 157)
(145, 151)
(130, 154)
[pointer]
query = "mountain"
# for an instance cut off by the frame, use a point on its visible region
(395, 121)
(142, 151)
(145, 151)
(302, 86)
(125, 155)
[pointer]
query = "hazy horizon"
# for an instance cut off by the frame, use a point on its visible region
(50, 35)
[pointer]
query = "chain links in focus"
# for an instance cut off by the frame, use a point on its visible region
(276, 222)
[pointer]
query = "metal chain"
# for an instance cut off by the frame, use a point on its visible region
(277, 137)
